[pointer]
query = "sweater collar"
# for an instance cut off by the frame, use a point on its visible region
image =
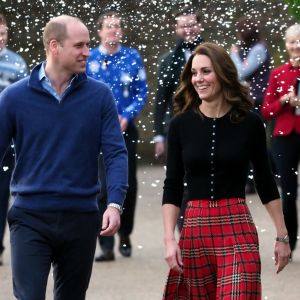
(34, 80)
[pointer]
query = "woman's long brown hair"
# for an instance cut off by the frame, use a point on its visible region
(235, 93)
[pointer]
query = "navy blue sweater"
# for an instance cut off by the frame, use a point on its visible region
(57, 144)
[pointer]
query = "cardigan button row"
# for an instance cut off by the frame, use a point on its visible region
(212, 162)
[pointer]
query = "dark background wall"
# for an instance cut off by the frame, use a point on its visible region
(149, 27)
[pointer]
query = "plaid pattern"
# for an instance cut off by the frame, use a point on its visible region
(219, 247)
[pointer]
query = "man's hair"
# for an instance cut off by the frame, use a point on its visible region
(107, 14)
(56, 29)
(188, 11)
(2, 20)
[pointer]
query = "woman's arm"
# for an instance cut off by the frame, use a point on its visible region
(282, 250)
(172, 251)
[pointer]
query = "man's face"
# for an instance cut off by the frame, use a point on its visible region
(3, 36)
(187, 27)
(73, 53)
(111, 31)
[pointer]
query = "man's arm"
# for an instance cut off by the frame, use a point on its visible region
(163, 98)
(23, 69)
(139, 89)
(6, 124)
(115, 163)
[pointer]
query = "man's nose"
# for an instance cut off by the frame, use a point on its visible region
(86, 51)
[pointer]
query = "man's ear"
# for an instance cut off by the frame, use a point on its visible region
(53, 46)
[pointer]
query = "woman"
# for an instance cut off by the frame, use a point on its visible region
(282, 104)
(252, 60)
(211, 141)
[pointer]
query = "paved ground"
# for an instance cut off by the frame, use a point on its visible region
(142, 276)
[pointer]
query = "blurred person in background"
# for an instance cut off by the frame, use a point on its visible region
(252, 60)
(12, 68)
(282, 104)
(188, 30)
(123, 70)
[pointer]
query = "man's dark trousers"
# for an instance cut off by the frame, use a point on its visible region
(67, 240)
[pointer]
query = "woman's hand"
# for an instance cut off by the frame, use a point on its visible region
(173, 255)
(290, 99)
(282, 253)
(294, 101)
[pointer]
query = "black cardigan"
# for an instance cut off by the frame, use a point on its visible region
(214, 155)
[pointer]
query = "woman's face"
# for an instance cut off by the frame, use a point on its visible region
(204, 79)
(292, 45)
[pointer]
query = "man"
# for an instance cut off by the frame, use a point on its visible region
(123, 70)
(59, 119)
(12, 68)
(187, 29)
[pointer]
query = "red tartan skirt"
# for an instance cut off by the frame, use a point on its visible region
(220, 252)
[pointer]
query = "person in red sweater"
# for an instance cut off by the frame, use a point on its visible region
(282, 103)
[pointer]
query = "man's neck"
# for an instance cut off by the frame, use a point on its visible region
(110, 48)
(58, 78)
(2, 49)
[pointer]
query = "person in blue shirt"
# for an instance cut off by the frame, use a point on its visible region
(123, 70)
(59, 119)
(12, 68)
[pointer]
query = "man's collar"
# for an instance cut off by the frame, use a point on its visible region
(42, 73)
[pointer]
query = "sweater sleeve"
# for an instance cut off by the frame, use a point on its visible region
(6, 124)
(173, 185)
(263, 177)
(164, 94)
(139, 90)
(114, 152)
(254, 60)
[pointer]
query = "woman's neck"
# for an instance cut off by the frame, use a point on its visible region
(215, 109)
(295, 62)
